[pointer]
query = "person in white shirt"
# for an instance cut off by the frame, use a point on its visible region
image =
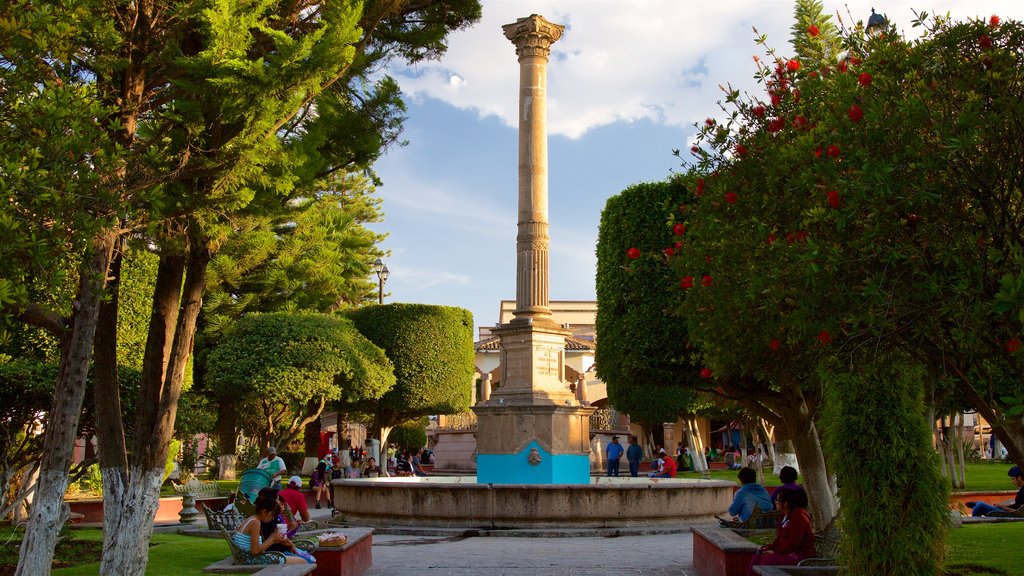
(275, 466)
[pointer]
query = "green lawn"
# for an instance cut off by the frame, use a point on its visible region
(169, 555)
(980, 477)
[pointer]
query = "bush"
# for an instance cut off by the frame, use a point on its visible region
(409, 437)
(293, 460)
(893, 514)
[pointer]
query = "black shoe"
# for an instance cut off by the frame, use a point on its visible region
(970, 504)
(317, 505)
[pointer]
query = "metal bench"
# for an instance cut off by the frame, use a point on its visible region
(826, 546)
(758, 520)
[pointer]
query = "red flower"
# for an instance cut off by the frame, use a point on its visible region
(633, 253)
(669, 251)
(993, 21)
(730, 197)
(775, 344)
(686, 283)
(679, 244)
(741, 149)
(855, 113)
(824, 337)
(700, 186)
(683, 207)
(1012, 346)
(813, 30)
(799, 122)
(706, 373)
(817, 152)
(694, 149)
(771, 238)
(790, 237)
(709, 122)
(832, 151)
(707, 281)
(802, 235)
(985, 42)
(777, 125)
(792, 65)
(842, 66)
(864, 79)
(679, 229)
(833, 199)
(776, 98)
(758, 111)
(707, 258)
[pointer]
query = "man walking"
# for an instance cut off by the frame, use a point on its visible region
(634, 454)
(614, 453)
(275, 466)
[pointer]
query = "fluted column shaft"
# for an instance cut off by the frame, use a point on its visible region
(533, 37)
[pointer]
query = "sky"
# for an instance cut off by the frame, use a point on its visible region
(627, 81)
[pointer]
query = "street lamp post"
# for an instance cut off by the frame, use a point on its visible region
(381, 270)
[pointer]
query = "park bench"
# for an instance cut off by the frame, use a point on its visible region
(826, 546)
(758, 520)
(192, 491)
(223, 520)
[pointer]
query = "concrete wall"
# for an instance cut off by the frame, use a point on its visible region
(460, 502)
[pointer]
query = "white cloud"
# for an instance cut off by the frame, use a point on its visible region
(626, 60)
(418, 279)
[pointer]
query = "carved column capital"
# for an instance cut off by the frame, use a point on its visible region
(533, 35)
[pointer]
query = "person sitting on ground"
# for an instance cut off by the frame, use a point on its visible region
(1006, 507)
(249, 535)
(712, 454)
(749, 495)
(371, 470)
(788, 476)
(794, 537)
(319, 482)
(295, 499)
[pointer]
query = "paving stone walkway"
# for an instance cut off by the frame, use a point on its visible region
(658, 555)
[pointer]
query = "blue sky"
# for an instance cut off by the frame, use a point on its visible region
(626, 83)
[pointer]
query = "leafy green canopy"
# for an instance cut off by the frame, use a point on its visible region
(641, 349)
(431, 348)
(282, 359)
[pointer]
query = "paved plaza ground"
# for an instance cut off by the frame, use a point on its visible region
(659, 555)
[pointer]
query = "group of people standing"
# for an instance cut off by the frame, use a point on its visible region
(661, 467)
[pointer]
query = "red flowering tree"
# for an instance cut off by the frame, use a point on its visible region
(878, 230)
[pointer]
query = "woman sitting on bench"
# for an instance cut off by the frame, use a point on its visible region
(248, 536)
(794, 538)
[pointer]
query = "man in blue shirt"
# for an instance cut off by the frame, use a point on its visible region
(634, 454)
(749, 495)
(614, 453)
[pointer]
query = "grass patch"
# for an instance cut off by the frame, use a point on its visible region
(169, 554)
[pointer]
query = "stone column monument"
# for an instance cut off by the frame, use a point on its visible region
(532, 429)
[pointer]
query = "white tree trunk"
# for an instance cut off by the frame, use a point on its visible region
(126, 551)
(820, 490)
(700, 463)
(226, 466)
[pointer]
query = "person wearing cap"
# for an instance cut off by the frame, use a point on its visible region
(1007, 507)
(295, 499)
(275, 466)
(613, 453)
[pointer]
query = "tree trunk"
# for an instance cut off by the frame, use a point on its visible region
(113, 459)
(40, 538)
(311, 435)
(813, 472)
(227, 438)
(696, 442)
(169, 345)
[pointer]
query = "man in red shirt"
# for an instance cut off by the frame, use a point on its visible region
(668, 466)
(295, 499)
